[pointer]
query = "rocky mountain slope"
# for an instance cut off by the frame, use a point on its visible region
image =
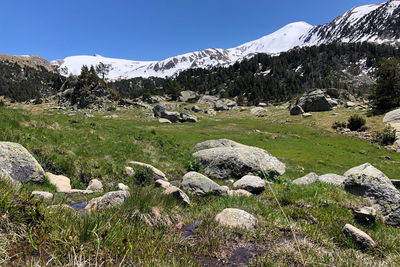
(377, 23)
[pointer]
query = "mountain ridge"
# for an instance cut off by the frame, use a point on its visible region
(359, 24)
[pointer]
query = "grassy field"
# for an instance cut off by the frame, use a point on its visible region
(298, 226)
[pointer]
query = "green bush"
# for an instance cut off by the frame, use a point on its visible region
(355, 122)
(385, 137)
(339, 125)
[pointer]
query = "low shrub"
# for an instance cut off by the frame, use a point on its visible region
(355, 122)
(143, 176)
(385, 137)
(339, 125)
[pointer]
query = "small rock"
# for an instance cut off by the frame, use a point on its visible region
(332, 178)
(365, 215)
(263, 105)
(196, 109)
(349, 104)
(62, 183)
(162, 183)
(306, 115)
(211, 112)
(358, 236)
(198, 184)
(177, 194)
(306, 180)
(250, 183)
(123, 187)
(236, 218)
(130, 171)
(239, 192)
(95, 186)
(259, 111)
(42, 194)
(157, 173)
(109, 200)
(79, 192)
(162, 120)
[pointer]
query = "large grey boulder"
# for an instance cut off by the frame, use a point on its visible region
(224, 104)
(216, 143)
(250, 183)
(109, 200)
(237, 160)
(367, 181)
(392, 116)
(259, 111)
(198, 184)
(208, 99)
(188, 96)
(18, 165)
(236, 218)
(314, 101)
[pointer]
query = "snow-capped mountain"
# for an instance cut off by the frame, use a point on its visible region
(378, 23)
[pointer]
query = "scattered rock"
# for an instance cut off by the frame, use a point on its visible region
(130, 171)
(211, 112)
(188, 118)
(177, 194)
(239, 192)
(123, 187)
(263, 105)
(236, 160)
(196, 109)
(109, 200)
(365, 215)
(188, 96)
(250, 183)
(42, 195)
(190, 228)
(349, 104)
(236, 218)
(224, 104)
(306, 115)
(62, 183)
(198, 184)
(332, 178)
(155, 99)
(157, 173)
(79, 192)
(207, 99)
(296, 110)
(18, 165)
(368, 182)
(306, 180)
(95, 186)
(160, 112)
(259, 111)
(358, 236)
(161, 120)
(314, 101)
(162, 183)
(79, 205)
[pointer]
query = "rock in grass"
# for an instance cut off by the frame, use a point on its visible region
(18, 165)
(62, 183)
(129, 171)
(239, 192)
(259, 111)
(198, 184)
(161, 120)
(296, 110)
(250, 183)
(332, 178)
(177, 194)
(162, 183)
(109, 200)
(365, 215)
(306, 115)
(368, 182)
(95, 185)
(358, 236)
(230, 159)
(42, 195)
(157, 173)
(236, 218)
(306, 180)
(123, 187)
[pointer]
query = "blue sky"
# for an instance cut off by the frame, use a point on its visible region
(149, 29)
